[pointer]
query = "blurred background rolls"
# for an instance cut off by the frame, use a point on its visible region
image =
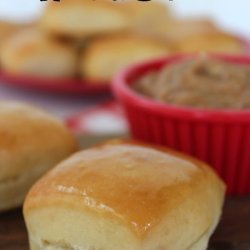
(92, 40)
(79, 19)
(31, 52)
(6, 28)
(212, 41)
(106, 55)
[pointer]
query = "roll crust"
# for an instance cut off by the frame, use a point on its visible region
(106, 55)
(32, 142)
(6, 29)
(213, 41)
(30, 52)
(81, 18)
(146, 17)
(125, 195)
(177, 29)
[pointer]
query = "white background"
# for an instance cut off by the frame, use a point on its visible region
(234, 15)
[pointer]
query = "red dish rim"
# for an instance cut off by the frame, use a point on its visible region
(73, 86)
(125, 93)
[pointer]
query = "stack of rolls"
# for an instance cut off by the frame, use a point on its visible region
(92, 40)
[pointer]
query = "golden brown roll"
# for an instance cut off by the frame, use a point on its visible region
(31, 142)
(6, 29)
(127, 196)
(177, 29)
(81, 18)
(106, 55)
(30, 52)
(217, 42)
(146, 17)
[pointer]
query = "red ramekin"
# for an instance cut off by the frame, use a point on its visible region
(219, 137)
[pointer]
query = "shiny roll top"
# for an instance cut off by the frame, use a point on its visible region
(133, 185)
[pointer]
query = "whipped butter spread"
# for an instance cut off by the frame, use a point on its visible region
(202, 82)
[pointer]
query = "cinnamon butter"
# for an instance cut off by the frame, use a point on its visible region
(202, 82)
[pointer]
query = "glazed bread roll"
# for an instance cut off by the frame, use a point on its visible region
(126, 196)
(31, 143)
(106, 55)
(81, 18)
(30, 52)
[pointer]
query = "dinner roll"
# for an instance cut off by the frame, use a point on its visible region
(216, 41)
(31, 143)
(177, 29)
(106, 55)
(81, 18)
(127, 196)
(6, 29)
(146, 17)
(30, 52)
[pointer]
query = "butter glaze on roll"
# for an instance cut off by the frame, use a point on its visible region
(31, 142)
(127, 196)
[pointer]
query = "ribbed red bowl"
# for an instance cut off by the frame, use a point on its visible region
(218, 137)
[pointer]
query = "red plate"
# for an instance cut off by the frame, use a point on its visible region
(66, 86)
(70, 86)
